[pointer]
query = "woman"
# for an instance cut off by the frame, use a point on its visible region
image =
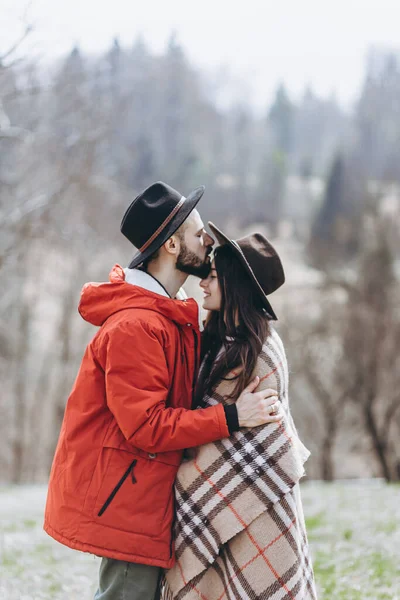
(240, 529)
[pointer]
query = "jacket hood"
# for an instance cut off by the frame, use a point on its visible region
(101, 300)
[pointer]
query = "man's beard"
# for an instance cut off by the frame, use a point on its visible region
(188, 262)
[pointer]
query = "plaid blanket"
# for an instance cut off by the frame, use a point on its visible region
(239, 529)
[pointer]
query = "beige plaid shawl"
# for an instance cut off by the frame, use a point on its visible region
(239, 529)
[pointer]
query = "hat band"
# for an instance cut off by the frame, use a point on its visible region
(163, 225)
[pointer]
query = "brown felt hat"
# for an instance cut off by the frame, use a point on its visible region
(261, 261)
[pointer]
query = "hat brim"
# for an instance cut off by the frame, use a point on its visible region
(190, 203)
(224, 240)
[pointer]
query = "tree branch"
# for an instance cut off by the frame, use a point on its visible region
(16, 44)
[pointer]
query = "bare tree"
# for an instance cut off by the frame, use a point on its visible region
(371, 342)
(321, 395)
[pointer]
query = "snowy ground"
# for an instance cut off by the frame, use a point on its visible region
(354, 531)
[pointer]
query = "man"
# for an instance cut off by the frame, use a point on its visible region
(128, 417)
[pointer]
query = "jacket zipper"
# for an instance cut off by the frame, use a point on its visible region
(115, 490)
(172, 539)
(196, 343)
(171, 543)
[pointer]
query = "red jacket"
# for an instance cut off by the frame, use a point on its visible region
(126, 423)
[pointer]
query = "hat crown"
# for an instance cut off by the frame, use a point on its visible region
(263, 260)
(148, 212)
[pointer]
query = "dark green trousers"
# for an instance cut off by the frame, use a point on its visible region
(120, 580)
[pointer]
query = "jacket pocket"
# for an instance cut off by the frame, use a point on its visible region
(132, 491)
(111, 497)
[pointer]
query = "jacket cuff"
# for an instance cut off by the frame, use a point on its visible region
(231, 416)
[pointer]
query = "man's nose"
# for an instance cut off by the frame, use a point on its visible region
(209, 240)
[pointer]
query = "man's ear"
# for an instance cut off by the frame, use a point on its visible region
(172, 245)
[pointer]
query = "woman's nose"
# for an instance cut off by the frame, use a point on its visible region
(203, 283)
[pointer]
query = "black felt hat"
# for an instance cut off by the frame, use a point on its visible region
(154, 215)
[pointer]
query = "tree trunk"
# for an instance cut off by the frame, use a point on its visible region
(378, 443)
(328, 444)
(19, 391)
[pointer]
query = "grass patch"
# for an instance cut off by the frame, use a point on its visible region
(11, 563)
(14, 527)
(9, 559)
(9, 528)
(44, 553)
(29, 523)
(325, 573)
(315, 521)
(54, 588)
(348, 534)
(383, 569)
(387, 527)
(367, 577)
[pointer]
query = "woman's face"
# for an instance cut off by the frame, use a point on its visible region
(211, 290)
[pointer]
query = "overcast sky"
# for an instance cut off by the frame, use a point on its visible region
(262, 41)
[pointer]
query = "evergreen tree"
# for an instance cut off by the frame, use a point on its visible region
(377, 124)
(280, 121)
(330, 233)
(274, 163)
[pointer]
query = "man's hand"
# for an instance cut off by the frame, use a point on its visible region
(258, 408)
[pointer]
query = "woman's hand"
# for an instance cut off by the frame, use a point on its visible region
(258, 408)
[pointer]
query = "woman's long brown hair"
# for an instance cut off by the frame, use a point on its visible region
(241, 326)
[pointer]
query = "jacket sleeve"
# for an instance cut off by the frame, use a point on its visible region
(137, 386)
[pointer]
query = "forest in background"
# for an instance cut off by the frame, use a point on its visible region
(80, 140)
